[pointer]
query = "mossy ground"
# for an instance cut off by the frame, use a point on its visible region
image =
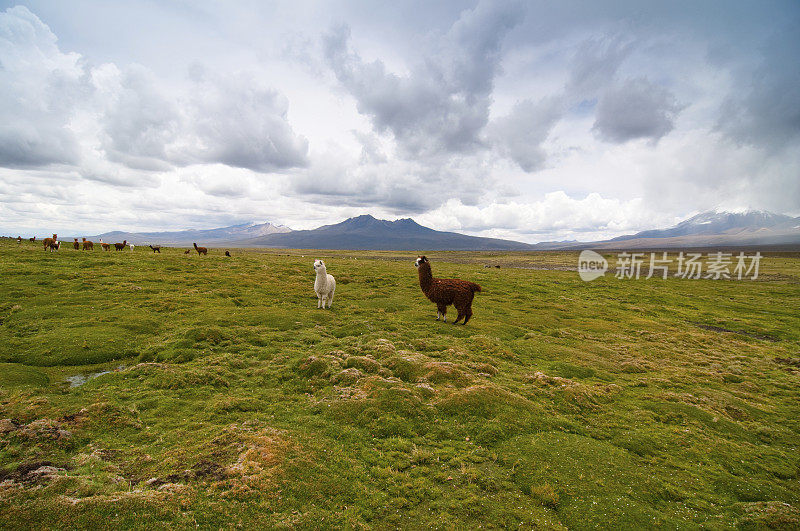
(232, 400)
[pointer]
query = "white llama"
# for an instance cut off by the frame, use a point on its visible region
(324, 284)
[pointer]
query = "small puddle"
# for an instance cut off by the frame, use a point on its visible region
(78, 380)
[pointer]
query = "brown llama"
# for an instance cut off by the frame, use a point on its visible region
(200, 250)
(49, 243)
(187, 251)
(156, 249)
(75, 244)
(32, 239)
(227, 253)
(19, 239)
(88, 245)
(121, 246)
(446, 291)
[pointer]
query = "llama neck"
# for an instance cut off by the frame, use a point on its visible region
(425, 276)
(322, 278)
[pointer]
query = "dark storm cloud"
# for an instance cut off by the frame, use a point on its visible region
(442, 105)
(637, 109)
(26, 146)
(764, 109)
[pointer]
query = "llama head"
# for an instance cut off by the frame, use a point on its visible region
(319, 265)
(420, 260)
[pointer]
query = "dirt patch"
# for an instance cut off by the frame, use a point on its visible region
(713, 328)
(789, 364)
(38, 429)
(771, 515)
(30, 473)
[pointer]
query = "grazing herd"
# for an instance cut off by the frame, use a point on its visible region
(52, 244)
(443, 292)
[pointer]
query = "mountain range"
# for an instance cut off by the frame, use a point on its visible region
(709, 229)
(213, 237)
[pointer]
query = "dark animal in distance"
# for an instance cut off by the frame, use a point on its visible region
(200, 250)
(88, 245)
(19, 239)
(227, 253)
(156, 249)
(49, 243)
(187, 251)
(120, 246)
(75, 244)
(446, 291)
(32, 239)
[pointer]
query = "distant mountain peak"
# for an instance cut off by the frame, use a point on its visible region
(748, 226)
(367, 232)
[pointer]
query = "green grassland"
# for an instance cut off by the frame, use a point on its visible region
(231, 400)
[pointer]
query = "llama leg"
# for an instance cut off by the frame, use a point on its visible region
(319, 300)
(460, 310)
(467, 315)
(441, 311)
(330, 299)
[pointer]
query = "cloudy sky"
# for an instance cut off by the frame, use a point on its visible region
(526, 120)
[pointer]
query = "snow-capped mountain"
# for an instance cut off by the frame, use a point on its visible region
(208, 237)
(718, 223)
(708, 229)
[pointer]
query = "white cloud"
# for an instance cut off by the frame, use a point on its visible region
(519, 134)
(556, 216)
(38, 85)
(57, 109)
